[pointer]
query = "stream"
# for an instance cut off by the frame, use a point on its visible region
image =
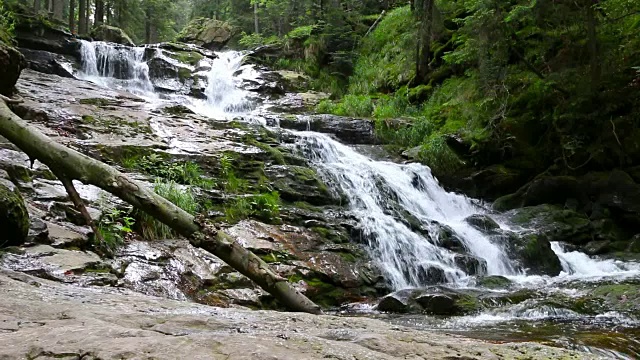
(403, 212)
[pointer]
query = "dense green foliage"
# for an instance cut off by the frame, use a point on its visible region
(525, 83)
(6, 23)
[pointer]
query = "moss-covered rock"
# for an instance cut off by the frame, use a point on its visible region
(111, 34)
(534, 253)
(555, 223)
(493, 282)
(209, 33)
(14, 218)
(11, 64)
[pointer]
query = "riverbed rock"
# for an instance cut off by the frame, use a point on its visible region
(555, 223)
(11, 64)
(14, 218)
(435, 300)
(44, 318)
(348, 130)
(534, 253)
(49, 63)
(209, 33)
(112, 34)
(39, 33)
(483, 223)
(493, 282)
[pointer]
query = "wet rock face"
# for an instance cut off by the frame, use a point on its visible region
(348, 130)
(432, 300)
(14, 218)
(33, 32)
(11, 64)
(48, 63)
(111, 34)
(43, 319)
(209, 33)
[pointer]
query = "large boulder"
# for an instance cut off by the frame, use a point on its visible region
(111, 34)
(11, 64)
(347, 130)
(14, 218)
(534, 253)
(209, 33)
(49, 63)
(37, 33)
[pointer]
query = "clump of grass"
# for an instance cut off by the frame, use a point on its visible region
(114, 227)
(150, 228)
(185, 173)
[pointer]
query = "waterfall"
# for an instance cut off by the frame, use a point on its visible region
(577, 264)
(374, 187)
(116, 66)
(401, 208)
(224, 97)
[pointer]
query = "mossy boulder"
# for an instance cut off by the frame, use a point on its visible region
(209, 33)
(36, 32)
(14, 218)
(11, 64)
(555, 223)
(483, 223)
(534, 253)
(435, 300)
(493, 282)
(111, 34)
(542, 190)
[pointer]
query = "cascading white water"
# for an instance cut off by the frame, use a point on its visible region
(116, 66)
(380, 193)
(372, 186)
(224, 98)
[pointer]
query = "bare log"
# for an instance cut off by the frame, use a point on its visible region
(76, 166)
(79, 204)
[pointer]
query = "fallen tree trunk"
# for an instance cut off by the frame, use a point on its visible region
(75, 166)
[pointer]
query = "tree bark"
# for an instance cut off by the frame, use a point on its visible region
(72, 16)
(36, 6)
(73, 165)
(425, 14)
(256, 22)
(592, 39)
(99, 13)
(82, 17)
(58, 9)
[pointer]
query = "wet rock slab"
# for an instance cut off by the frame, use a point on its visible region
(42, 319)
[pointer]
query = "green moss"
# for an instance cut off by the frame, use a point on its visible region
(101, 102)
(186, 57)
(184, 73)
(494, 282)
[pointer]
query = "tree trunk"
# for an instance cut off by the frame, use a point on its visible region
(72, 16)
(425, 14)
(87, 19)
(147, 26)
(592, 39)
(82, 17)
(74, 165)
(99, 13)
(255, 18)
(58, 9)
(36, 6)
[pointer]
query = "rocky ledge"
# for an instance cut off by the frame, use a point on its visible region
(46, 320)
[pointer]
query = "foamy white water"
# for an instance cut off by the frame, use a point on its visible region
(224, 98)
(373, 186)
(116, 66)
(379, 192)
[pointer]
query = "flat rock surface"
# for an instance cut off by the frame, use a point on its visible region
(46, 320)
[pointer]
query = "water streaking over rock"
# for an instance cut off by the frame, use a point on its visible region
(383, 194)
(224, 97)
(116, 66)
